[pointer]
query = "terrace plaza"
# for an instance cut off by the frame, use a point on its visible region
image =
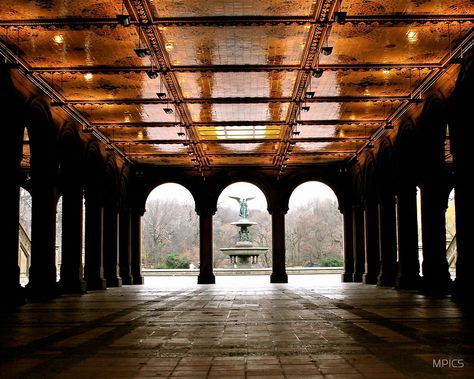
(101, 102)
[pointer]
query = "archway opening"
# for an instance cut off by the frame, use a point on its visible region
(314, 227)
(451, 250)
(59, 233)
(242, 228)
(170, 229)
(24, 248)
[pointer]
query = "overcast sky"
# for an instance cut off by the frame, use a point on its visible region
(301, 195)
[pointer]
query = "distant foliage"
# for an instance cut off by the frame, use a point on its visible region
(176, 261)
(313, 232)
(171, 229)
(331, 262)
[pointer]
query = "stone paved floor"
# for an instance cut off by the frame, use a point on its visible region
(242, 327)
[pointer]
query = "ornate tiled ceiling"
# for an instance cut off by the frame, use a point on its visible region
(235, 82)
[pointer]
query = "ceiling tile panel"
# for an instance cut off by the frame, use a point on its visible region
(219, 8)
(235, 45)
(120, 133)
(27, 9)
(107, 113)
(238, 112)
(397, 44)
(368, 83)
(368, 110)
(100, 86)
(236, 84)
(384, 7)
(88, 47)
(331, 131)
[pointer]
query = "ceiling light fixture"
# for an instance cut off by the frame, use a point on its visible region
(161, 95)
(388, 125)
(123, 19)
(181, 134)
(88, 76)
(168, 110)
(326, 50)
(317, 73)
(152, 74)
(309, 94)
(340, 17)
(142, 52)
(296, 133)
(305, 108)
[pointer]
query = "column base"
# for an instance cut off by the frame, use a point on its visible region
(279, 278)
(408, 282)
(347, 277)
(96, 284)
(436, 287)
(369, 279)
(357, 278)
(13, 297)
(386, 280)
(77, 286)
(114, 282)
(206, 279)
(38, 292)
(138, 279)
(127, 280)
(462, 294)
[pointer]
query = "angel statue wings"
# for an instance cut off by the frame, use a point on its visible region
(244, 210)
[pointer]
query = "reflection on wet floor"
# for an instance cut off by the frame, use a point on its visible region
(242, 327)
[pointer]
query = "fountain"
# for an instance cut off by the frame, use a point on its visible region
(243, 254)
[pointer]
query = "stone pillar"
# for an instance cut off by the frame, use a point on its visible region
(136, 246)
(372, 253)
(111, 247)
(387, 241)
(347, 276)
(9, 269)
(125, 258)
(359, 243)
(278, 247)
(94, 268)
(408, 263)
(71, 273)
(436, 277)
(206, 272)
(42, 283)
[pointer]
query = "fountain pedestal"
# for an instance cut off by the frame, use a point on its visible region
(244, 254)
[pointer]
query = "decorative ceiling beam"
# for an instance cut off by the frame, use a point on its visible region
(81, 23)
(239, 123)
(233, 68)
(245, 100)
(237, 141)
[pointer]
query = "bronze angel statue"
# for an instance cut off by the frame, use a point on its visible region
(244, 210)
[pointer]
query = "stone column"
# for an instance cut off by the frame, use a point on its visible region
(206, 272)
(71, 273)
(347, 276)
(136, 246)
(111, 247)
(436, 277)
(125, 258)
(372, 253)
(9, 269)
(359, 243)
(94, 268)
(278, 247)
(408, 263)
(42, 276)
(387, 241)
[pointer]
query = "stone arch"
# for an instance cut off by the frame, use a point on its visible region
(220, 182)
(385, 167)
(296, 180)
(94, 169)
